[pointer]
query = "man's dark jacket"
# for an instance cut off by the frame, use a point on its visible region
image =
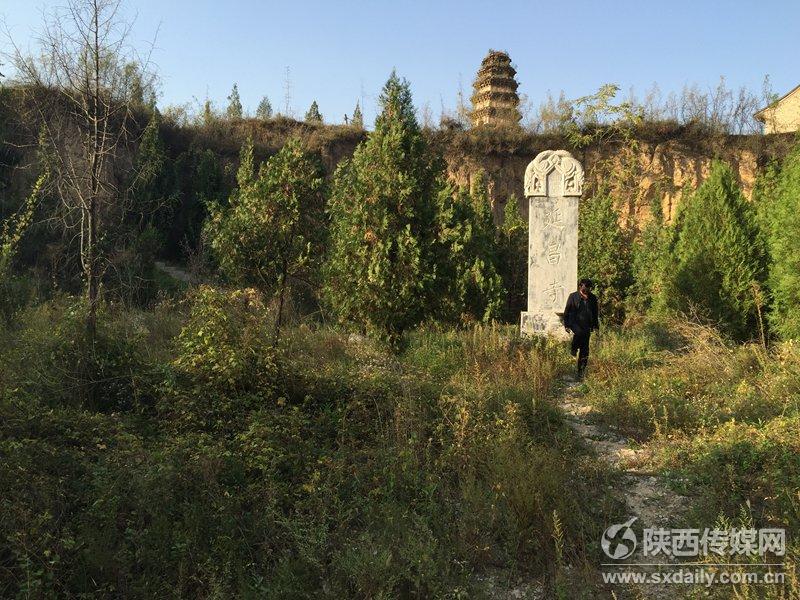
(572, 318)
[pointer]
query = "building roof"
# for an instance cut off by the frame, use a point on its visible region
(760, 114)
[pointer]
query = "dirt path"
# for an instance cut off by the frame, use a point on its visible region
(646, 495)
(174, 272)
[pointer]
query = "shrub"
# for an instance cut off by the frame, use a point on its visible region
(225, 365)
(328, 466)
(719, 420)
(12, 295)
(50, 359)
(513, 259)
(741, 464)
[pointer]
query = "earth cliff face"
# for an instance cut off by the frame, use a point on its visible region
(660, 168)
(668, 158)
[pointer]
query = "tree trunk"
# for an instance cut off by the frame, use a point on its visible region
(91, 273)
(94, 184)
(281, 298)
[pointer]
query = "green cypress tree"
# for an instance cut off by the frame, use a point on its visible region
(313, 115)
(382, 268)
(651, 263)
(777, 197)
(198, 178)
(264, 110)
(474, 290)
(604, 253)
(152, 185)
(209, 114)
(719, 260)
(358, 118)
(234, 110)
(513, 258)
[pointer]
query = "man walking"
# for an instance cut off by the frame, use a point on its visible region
(581, 316)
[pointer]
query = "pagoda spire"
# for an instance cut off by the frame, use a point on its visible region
(495, 100)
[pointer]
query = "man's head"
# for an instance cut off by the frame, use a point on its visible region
(585, 286)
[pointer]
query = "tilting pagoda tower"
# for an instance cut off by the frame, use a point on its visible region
(495, 100)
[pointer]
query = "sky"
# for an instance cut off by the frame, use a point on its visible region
(342, 52)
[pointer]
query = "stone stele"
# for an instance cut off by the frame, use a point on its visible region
(553, 186)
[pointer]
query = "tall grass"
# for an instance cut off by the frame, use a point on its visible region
(721, 421)
(332, 467)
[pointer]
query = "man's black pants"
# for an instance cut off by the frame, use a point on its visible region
(580, 346)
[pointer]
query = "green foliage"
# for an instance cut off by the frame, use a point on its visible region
(234, 110)
(738, 464)
(246, 172)
(264, 110)
(512, 240)
(139, 90)
(604, 254)
(358, 117)
(778, 199)
(11, 234)
(142, 236)
(470, 266)
(651, 263)
(384, 248)
(313, 115)
(152, 186)
(52, 361)
(269, 234)
(224, 363)
(210, 115)
(718, 268)
(199, 180)
(596, 117)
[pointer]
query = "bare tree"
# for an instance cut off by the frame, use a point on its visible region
(79, 86)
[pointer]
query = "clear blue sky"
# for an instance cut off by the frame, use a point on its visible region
(336, 50)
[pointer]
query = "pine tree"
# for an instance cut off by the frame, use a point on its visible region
(264, 110)
(777, 196)
(268, 235)
(474, 287)
(358, 118)
(604, 253)
(313, 115)
(382, 268)
(513, 258)
(234, 110)
(719, 261)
